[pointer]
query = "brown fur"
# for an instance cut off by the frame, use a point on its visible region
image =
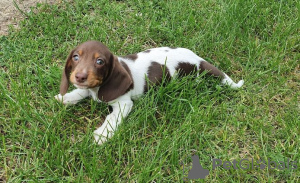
(64, 84)
(185, 69)
(212, 70)
(156, 72)
(94, 79)
(117, 83)
(129, 72)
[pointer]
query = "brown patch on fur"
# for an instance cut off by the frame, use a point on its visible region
(156, 72)
(147, 51)
(94, 80)
(129, 72)
(72, 77)
(96, 55)
(131, 57)
(80, 52)
(212, 70)
(185, 69)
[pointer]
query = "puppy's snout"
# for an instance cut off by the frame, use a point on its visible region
(81, 77)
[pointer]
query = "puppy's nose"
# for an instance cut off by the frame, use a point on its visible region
(81, 77)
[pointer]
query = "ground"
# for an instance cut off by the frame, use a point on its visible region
(258, 41)
(10, 15)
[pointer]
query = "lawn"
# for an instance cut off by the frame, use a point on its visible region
(258, 41)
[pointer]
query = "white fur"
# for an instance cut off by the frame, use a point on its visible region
(171, 58)
(121, 108)
(139, 70)
(228, 81)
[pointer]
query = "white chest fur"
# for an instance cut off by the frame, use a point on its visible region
(94, 93)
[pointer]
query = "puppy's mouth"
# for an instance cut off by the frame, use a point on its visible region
(81, 86)
(88, 84)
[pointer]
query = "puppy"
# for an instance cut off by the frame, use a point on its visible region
(96, 72)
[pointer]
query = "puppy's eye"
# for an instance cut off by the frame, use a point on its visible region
(75, 57)
(100, 61)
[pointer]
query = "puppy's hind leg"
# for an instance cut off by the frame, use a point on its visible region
(212, 70)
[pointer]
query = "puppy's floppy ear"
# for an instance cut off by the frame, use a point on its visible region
(64, 84)
(117, 83)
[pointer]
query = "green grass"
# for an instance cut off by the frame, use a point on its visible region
(44, 141)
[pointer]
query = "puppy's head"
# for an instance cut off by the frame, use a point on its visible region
(91, 65)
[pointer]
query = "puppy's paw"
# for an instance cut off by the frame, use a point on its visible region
(66, 99)
(59, 98)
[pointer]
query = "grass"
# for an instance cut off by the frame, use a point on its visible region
(43, 141)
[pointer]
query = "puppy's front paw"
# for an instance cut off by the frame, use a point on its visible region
(66, 99)
(59, 98)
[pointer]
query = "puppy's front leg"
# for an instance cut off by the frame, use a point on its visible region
(73, 97)
(121, 109)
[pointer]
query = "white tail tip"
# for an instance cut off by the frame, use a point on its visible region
(238, 85)
(228, 81)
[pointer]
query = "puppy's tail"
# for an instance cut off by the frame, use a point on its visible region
(226, 80)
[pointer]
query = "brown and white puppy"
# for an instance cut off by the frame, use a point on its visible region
(96, 72)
